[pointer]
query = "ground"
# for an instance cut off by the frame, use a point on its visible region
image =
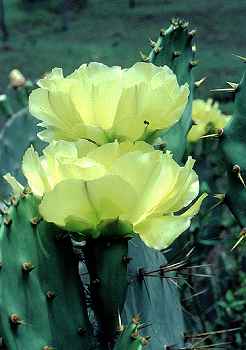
(110, 32)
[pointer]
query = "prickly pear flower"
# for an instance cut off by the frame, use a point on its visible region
(207, 117)
(102, 104)
(16, 78)
(83, 187)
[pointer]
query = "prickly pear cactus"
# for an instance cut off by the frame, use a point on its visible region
(174, 48)
(41, 299)
(233, 145)
(133, 284)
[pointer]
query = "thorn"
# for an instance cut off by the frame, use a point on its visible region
(198, 83)
(157, 49)
(15, 320)
(236, 169)
(242, 236)
(218, 134)
(176, 54)
(144, 57)
(50, 295)
(47, 347)
(82, 331)
(126, 259)
(145, 340)
(34, 221)
(7, 220)
(14, 201)
(242, 58)
(120, 326)
(162, 32)
(141, 274)
(152, 43)
(232, 85)
(220, 196)
(161, 146)
(27, 267)
(192, 33)
(134, 335)
(193, 48)
(27, 190)
(223, 90)
(136, 319)
(96, 281)
(193, 63)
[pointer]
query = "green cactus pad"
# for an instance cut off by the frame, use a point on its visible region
(41, 299)
(174, 48)
(155, 299)
(233, 143)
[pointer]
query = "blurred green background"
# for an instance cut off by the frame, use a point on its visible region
(109, 31)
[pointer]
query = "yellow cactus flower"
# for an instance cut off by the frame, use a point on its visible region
(103, 104)
(207, 118)
(82, 186)
(16, 78)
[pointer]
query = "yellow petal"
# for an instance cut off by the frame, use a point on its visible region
(87, 203)
(34, 172)
(160, 232)
(68, 199)
(194, 209)
(112, 197)
(148, 175)
(196, 132)
(17, 188)
(184, 190)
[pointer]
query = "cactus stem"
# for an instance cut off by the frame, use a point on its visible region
(27, 267)
(15, 320)
(198, 83)
(50, 295)
(236, 169)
